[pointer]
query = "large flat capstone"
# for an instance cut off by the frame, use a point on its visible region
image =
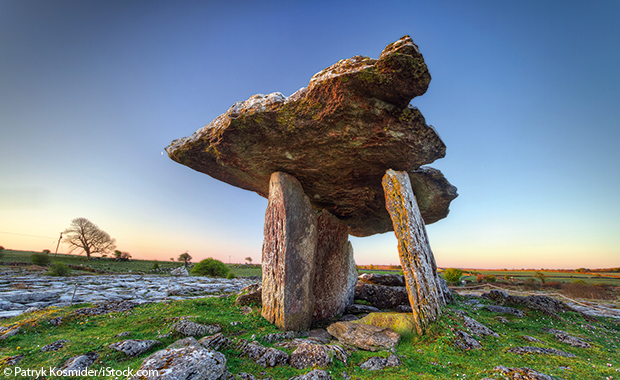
(337, 136)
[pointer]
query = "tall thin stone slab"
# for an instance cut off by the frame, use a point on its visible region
(335, 276)
(288, 258)
(415, 253)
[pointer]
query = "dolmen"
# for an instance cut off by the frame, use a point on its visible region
(344, 155)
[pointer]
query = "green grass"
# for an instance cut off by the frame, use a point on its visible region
(432, 356)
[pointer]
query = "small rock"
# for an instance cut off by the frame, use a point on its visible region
(13, 360)
(564, 337)
(215, 342)
(403, 309)
(319, 335)
(376, 363)
(55, 321)
(531, 339)
(465, 341)
(180, 272)
(273, 357)
(502, 319)
(78, 363)
(348, 318)
(245, 310)
(189, 328)
(245, 376)
(315, 374)
(540, 350)
(524, 373)
(478, 328)
(123, 334)
(250, 298)
(389, 279)
(338, 352)
(366, 337)
(310, 355)
(276, 337)
(55, 346)
(134, 347)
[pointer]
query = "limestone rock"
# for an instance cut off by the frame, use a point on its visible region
(215, 342)
(263, 356)
(315, 374)
(465, 341)
(524, 373)
(366, 337)
(357, 308)
(478, 328)
(55, 346)
(133, 347)
(310, 355)
(253, 297)
(12, 360)
(540, 350)
(189, 341)
(335, 274)
(376, 363)
(180, 272)
(564, 337)
(381, 296)
(189, 328)
(399, 322)
(337, 137)
(416, 257)
(78, 363)
(288, 259)
(184, 363)
(505, 310)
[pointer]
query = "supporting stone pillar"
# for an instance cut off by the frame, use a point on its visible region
(288, 258)
(415, 253)
(308, 266)
(335, 275)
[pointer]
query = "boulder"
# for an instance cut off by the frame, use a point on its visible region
(310, 355)
(338, 136)
(564, 337)
(419, 267)
(215, 342)
(505, 310)
(399, 322)
(335, 277)
(381, 296)
(366, 337)
(185, 363)
(133, 347)
(288, 260)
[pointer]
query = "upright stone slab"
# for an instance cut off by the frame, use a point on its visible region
(414, 249)
(288, 259)
(335, 276)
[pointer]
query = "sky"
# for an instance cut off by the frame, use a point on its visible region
(524, 94)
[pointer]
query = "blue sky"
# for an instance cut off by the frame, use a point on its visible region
(524, 94)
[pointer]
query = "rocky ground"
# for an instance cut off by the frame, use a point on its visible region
(19, 293)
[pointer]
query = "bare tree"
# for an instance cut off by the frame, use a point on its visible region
(84, 235)
(185, 257)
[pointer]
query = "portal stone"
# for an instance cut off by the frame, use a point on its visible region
(415, 253)
(288, 259)
(335, 276)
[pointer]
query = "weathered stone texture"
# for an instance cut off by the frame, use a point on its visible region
(335, 274)
(337, 137)
(288, 259)
(366, 337)
(414, 249)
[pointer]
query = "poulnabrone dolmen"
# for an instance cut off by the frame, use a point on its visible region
(341, 156)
